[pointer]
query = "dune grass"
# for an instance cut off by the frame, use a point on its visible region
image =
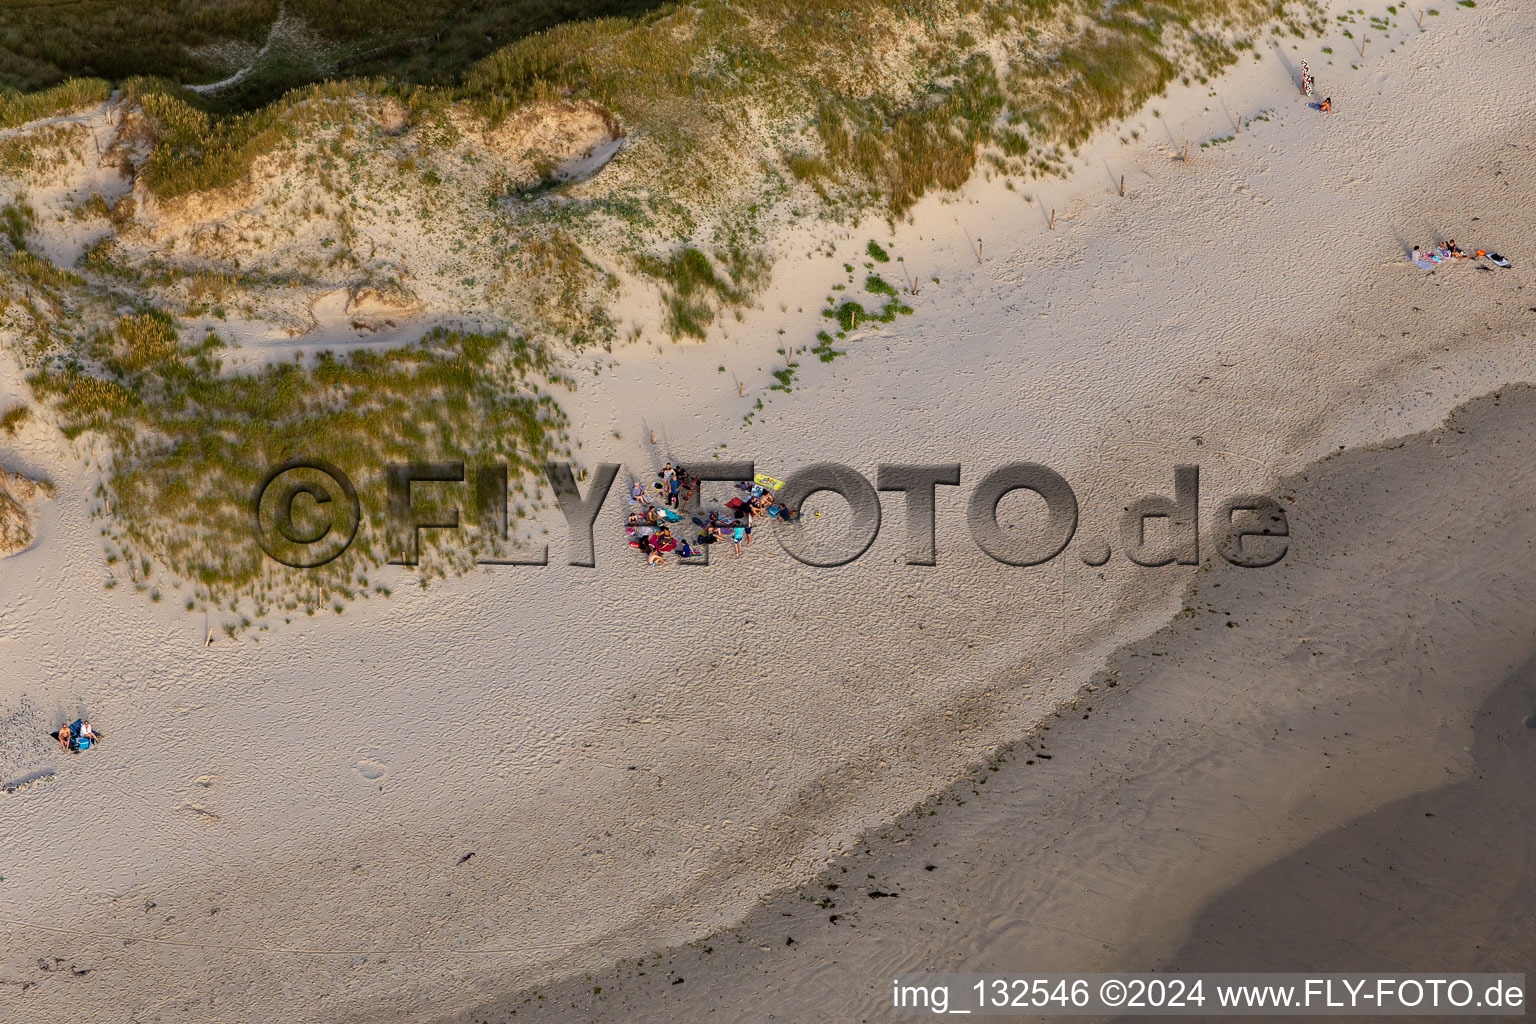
(17, 108)
(191, 443)
(733, 112)
(12, 419)
(891, 98)
(901, 96)
(695, 288)
(198, 41)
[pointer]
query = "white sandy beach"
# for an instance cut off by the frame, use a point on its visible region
(277, 828)
(1340, 779)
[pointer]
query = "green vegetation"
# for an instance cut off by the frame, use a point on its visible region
(191, 443)
(695, 286)
(848, 315)
(784, 379)
(851, 314)
(12, 419)
(195, 41)
(731, 114)
(17, 220)
(823, 348)
(17, 109)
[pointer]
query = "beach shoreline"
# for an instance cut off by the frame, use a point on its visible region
(292, 810)
(1301, 792)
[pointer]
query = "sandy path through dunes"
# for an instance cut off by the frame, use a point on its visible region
(634, 757)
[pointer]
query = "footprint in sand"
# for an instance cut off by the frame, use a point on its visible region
(1244, 190)
(370, 769)
(202, 813)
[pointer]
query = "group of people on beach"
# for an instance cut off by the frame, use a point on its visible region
(1447, 251)
(649, 522)
(77, 736)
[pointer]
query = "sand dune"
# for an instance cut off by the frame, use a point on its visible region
(280, 823)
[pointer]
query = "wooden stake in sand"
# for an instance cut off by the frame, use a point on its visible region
(1421, 19)
(741, 390)
(1186, 151)
(1362, 46)
(1053, 220)
(978, 250)
(653, 437)
(1122, 186)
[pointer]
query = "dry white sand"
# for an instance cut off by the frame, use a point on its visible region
(1341, 780)
(277, 826)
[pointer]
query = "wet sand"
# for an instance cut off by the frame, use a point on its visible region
(291, 809)
(1324, 765)
(1439, 880)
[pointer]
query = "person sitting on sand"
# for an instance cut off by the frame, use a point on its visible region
(78, 735)
(1327, 105)
(1450, 246)
(637, 493)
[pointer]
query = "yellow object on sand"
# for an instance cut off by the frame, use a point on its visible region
(767, 481)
